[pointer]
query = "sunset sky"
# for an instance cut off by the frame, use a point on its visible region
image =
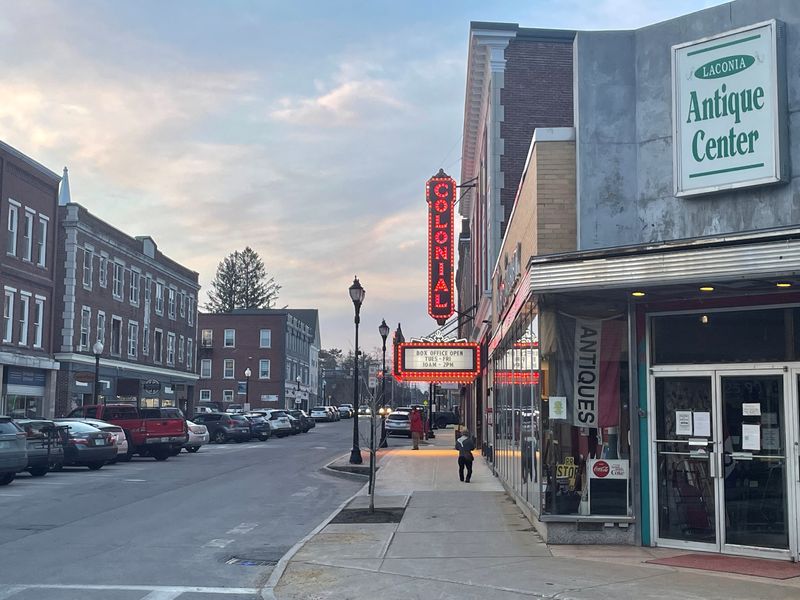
(303, 129)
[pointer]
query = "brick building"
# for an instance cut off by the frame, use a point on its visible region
(276, 345)
(139, 304)
(28, 206)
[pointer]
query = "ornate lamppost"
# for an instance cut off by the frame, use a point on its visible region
(357, 294)
(383, 329)
(97, 349)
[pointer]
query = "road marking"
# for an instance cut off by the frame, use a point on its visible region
(11, 495)
(307, 491)
(228, 591)
(218, 543)
(135, 480)
(162, 595)
(319, 448)
(242, 528)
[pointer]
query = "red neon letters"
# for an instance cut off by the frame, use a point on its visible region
(440, 193)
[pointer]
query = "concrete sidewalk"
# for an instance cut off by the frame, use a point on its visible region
(470, 541)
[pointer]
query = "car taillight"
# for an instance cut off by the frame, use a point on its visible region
(78, 441)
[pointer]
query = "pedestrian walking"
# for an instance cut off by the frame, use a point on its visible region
(417, 427)
(465, 446)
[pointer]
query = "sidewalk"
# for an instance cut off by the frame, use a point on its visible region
(470, 541)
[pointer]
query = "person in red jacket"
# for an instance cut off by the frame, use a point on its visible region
(417, 427)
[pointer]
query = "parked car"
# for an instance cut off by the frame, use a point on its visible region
(399, 423)
(86, 445)
(223, 427)
(234, 409)
(306, 422)
(346, 411)
(13, 450)
(204, 409)
(198, 436)
(45, 445)
(320, 413)
(120, 438)
(364, 410)
(152, 432)
(280, 422)
(334, 413)
(259, 426)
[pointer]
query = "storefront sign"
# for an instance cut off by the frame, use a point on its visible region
(441, 196)
(558, 407)
(435, 362)
(30, 377)
(151, 386)
(84, 377)
(729, 110)
(587, 371)
(607, 469)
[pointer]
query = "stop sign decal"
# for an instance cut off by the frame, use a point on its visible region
(601, 469)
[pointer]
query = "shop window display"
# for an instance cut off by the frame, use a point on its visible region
(585, 415)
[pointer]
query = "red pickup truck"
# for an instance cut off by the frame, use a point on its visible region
(156, 432)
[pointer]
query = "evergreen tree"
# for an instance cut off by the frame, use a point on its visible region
(224, 293)
(242, 282)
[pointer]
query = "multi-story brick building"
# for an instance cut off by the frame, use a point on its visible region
(139, 304)
(28, 205)
(276, 345)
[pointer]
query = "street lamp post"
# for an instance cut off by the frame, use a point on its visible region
(247, 373)
(98, 350)
(357, 294)
(297, 401)
(383, 329)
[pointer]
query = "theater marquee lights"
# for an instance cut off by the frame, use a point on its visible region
(437, 362)
(440, 193)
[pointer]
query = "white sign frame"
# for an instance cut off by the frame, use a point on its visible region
(412, 356)
(774, 171)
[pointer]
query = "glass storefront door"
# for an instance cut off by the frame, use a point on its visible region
(721, 478)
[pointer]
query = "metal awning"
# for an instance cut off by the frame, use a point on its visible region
(763, 255)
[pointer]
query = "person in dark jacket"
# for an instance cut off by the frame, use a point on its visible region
(465, 446)
(416, 426)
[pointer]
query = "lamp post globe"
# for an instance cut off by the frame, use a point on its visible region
(357, 294)
(383, 329)
(247, 373)
(97, 350)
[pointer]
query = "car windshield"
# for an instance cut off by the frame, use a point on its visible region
(78, 426)
(239, 418)
(8, 427)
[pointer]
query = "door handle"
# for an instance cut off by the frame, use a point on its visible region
(712, 464)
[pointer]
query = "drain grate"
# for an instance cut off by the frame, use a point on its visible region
(250, 562)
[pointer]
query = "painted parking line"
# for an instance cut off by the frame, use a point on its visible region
(135, 480)
(242, 528)
(307, 491)
(218, 543)
(162, 595)
(8, 591)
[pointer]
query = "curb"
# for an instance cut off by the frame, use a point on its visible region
(268, 591)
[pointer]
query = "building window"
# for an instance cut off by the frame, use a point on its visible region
(183, 304)
(170, 348)
(13, 221)
(25, 309)
(228, 368)
(86, 319)
(158, 346)
(102, 274)
(133, 338)
(263, 368)
(230, 338)
(146, 339)
(41, 242)
(148, 284)
(171, 305)
(88, 254)
(119, 280)
(207, 338)
(189, 363)
(227, 395)
(205, 368)
(38, 322)
(159, 298)
(27, 234)
(116, 336)
(101, 327)
(134, 292)
(265, 338)
(205, 395)
(8, 317)
(181, 342)
(191, 310)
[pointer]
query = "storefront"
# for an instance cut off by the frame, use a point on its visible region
(27, 391)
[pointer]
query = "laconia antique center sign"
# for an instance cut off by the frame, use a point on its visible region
(440, 192)
(729, 110)
(437, 361)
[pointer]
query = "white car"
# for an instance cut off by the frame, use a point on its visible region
(279, 422)
(198, 436)
(398, 423)
(320, 413)
(115, 430)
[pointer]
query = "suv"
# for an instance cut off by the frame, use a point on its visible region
(259, 426)
(399, 423)
(13, 451)
(280, 422)
(346, 411)
(223, 427)
(306, 422)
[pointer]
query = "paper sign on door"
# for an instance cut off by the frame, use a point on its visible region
(702, 424)
(751, 437)
(683, 422)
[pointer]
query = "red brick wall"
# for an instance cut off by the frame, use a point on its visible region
(537, 93)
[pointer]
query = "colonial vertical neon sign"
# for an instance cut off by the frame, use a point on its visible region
(441, 195)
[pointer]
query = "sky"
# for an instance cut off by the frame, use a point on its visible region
(304, 129)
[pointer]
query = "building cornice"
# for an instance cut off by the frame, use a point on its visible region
(85, 359)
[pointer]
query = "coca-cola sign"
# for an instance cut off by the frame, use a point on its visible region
(601, 469)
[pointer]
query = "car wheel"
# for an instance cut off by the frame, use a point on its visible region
(38, 471)
(57, 467)
(95, 466)
(7, 478)
(161, 455)
(175, 451)
(441, 423)
(263, 438)
(193, 449)
(220, 437)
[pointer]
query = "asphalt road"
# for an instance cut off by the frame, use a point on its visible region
(164, 530)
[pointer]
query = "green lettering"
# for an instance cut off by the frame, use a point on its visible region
(758, 96)
(694, 108)
(696, 141)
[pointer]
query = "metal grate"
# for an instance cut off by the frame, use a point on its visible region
(250, 562)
